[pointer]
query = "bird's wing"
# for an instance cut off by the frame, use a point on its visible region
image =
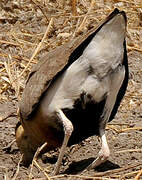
(54, 62)
(40, 78)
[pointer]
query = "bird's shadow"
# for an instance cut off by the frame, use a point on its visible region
(77, 167)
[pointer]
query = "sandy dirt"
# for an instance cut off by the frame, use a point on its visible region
(22, 26)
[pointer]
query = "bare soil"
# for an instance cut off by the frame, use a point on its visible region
(22, 26)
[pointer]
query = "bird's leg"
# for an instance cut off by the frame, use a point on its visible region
(68, 128)
(103, 153)
(116, 81)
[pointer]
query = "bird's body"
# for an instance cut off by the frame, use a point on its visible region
(85, 95)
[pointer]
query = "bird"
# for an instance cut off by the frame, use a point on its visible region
(75, 91)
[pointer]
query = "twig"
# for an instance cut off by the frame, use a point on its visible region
(10, 43)
(39, 150)
(134, 48)
(22, 41)
(42, 169)
(18, 167)
(35, 163)
(79, 176)
(8, 70)
(129, 174)
(74, 10)
(3, 69)
(119, 124)
(128, 129)
(113, 128)
(14, 81)
(117, 170)
(31, 170)
(138, 175)
(123, 130)
(4, 118)
(77, 25)
(85, 17)
(39, 8)
(17, 58)
(129, 150)
(39, 46)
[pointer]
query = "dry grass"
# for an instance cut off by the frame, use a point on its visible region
(20, 40)
(23, 29)
(29, 29)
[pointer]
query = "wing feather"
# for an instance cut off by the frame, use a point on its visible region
(54, 62)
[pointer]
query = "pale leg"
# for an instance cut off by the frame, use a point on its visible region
(68, 128)
(103, 153)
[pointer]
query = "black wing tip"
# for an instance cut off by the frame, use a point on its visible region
(117, 11)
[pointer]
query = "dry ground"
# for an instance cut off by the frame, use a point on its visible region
(23, 24)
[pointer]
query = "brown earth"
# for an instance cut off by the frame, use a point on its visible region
(22, 26)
